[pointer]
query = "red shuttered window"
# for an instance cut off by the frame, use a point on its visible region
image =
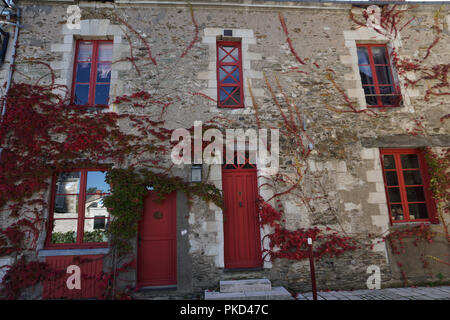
(407, 186)
(78, 217)
(376, 76)
(229, 75)
(91, 268)
(92, 73)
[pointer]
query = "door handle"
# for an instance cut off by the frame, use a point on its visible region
(139, 241)
(240, 204)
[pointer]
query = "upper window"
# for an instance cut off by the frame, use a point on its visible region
(376, 76)
(229, 75)
(78, 216)
(92, 73)
(406, 183)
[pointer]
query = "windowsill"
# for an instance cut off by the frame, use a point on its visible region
(71, 252)
(409, 223)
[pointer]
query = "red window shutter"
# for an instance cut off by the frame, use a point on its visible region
(91, 267)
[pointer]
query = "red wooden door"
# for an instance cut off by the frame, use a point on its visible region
(241, 224)
(157, 257)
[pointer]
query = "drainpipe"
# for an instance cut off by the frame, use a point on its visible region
(11, 65)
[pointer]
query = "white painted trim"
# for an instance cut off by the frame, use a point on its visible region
(368, 35)
(210, 76)
(95, 29)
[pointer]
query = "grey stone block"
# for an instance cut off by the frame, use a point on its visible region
(277, 293)
(224, 296)
(250, 285)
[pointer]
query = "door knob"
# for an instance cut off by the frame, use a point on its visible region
(240, 204)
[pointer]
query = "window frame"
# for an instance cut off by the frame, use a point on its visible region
(79, 244)
(93, 74)
(239, 64)
(376, 84)
(423, 169)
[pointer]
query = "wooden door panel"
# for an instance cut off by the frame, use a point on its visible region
(157, 242)
(241, 226)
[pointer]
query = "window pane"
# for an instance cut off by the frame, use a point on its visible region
(83, 72)
(409, 161)
(394, 195)
(417, 211)
(81, 94)
(92, 234)
(228, 54)
(371, 99)
(397, 212)
(391, 178)
(105, 52)
(412, 177)
(389, 100)
(85, 51)
(104, 72)
(68, 182)
(366, 74)
(414, 194)
(226, 71)
(379, 55)
(102, 93)
(64, 231)
(363, 56)
(224, 91)
(383, 74)
(66, 206)
(237, 98)
(96, 182)
(388, 161)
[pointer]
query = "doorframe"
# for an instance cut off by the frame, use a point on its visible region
(261, 266)
(183, 258)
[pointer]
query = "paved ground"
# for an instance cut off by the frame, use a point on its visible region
(418, 293)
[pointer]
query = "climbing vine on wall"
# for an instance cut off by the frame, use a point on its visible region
(127, 199)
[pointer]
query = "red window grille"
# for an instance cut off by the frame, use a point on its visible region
(78, 217)
(407, 187)
(376, 76)
(230, 91)
(92, 73)
(240, 160)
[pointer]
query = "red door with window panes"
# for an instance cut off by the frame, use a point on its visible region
(242, 245)
(157, 242)
(407, 186)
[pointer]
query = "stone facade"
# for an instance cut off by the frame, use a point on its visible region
(344, 165)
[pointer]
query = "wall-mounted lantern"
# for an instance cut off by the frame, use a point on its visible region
(196, 173)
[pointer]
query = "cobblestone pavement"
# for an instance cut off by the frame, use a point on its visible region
(418, 293)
